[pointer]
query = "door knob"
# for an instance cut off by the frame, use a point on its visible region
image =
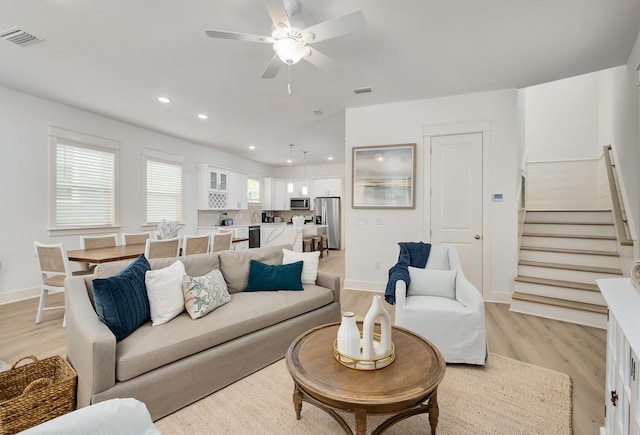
(477, 237)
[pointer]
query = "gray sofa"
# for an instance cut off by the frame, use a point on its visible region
(172, 365)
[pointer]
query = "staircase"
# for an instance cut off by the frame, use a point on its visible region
(562, 253)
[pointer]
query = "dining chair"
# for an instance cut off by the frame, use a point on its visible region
(221, 242)
(95, 242)
(196, 244)
(135, 238)
(162, 248)
(54, 268)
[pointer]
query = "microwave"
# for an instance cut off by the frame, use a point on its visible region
(299, 204)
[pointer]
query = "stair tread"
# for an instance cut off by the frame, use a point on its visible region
(557, 283)
(570, 251)
(583, 306)
(567, 223)
(538, 210)
(569, 236)
(595, 269)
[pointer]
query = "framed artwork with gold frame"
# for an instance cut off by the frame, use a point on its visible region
(635, 275)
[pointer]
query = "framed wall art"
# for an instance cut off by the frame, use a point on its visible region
(384, 176)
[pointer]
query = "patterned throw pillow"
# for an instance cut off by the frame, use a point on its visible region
(203, 294)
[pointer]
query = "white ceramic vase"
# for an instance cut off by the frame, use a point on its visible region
(349, 336)
(376, 311)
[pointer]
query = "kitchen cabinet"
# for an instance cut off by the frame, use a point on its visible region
(299, 188)
(274, 195)
(327, 187)
(211, 198)
(622, 400)
(237, 198)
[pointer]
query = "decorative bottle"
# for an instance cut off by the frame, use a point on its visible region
(384, 347)
(349, 336)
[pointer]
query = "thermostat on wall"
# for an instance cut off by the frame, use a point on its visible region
(497, 197)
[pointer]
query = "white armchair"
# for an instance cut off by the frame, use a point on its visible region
(442, 306)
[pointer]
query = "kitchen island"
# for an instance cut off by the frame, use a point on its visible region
(287, 234)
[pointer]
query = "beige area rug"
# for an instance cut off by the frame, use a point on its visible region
(505, 397)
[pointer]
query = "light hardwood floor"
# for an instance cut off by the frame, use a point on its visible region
(578, 351)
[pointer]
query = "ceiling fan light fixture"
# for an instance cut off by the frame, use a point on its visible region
(289, 50)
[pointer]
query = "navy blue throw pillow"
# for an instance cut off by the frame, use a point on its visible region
(121, 300)
(274, 277)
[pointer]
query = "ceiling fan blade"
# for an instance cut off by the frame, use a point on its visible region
(238, 36)
(272, 68)
(338, 26)
(322, 61)
(277, 12)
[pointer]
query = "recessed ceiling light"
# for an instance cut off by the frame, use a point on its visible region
(330, 158)
(252, 147)
(164, 99)
(203, 116)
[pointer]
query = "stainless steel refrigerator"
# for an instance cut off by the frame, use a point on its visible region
(327, 212)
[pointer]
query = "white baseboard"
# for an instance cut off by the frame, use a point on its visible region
(19, 295)
(498, 297)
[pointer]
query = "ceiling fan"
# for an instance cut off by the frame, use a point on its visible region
(291, 39)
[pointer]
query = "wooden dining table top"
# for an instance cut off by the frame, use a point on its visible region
(104, 255)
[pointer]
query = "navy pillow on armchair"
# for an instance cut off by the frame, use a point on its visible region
(121, 300)
(274, 277)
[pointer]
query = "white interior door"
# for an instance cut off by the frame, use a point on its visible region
(456, 199)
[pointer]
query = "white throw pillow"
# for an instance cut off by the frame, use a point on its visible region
(164, 290)
(428, 282)
(309, 260)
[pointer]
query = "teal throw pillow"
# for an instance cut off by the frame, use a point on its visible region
(274, 277)
(121, 300)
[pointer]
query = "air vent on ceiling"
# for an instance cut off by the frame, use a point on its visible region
(19, 37)
(317, 112)
(362, 90)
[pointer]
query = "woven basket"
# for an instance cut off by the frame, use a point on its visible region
(36, 392)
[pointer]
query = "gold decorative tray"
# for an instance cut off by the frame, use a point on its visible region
(365, 364)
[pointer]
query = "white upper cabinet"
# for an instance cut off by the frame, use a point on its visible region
(327, 187)
(237, 198)
(221, 189)
(274, 194)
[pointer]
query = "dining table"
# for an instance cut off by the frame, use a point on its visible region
(104, 255)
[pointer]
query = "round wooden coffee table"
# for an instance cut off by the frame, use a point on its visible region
(400, 390)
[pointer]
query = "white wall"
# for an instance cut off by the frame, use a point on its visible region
(24, 179)
(311, 171)
(562, 119)
(372, 235)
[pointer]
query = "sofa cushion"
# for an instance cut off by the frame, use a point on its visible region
(194, 265)
(149, 348)
(234, 265)
(267, 277)
(121, 300)
(164, 290)
(438, 258)
(310, 263)
(203, 294)
(427, 282)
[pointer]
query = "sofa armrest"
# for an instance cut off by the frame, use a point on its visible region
(330, 280)
(401, 293)
(91, 346)
(468, 295)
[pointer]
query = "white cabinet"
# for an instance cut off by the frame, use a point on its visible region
(274, 194)
(327, 187)
(218, 180)
(622, 401)
(221, 189)
(237, 198)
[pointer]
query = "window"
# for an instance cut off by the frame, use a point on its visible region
(253, 191)
(164, 191)
(84, 189)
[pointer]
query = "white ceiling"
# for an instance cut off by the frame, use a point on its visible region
(116, 57)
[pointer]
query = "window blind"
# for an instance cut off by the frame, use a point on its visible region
(85, 186)
(253, 191)
(164, 191)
